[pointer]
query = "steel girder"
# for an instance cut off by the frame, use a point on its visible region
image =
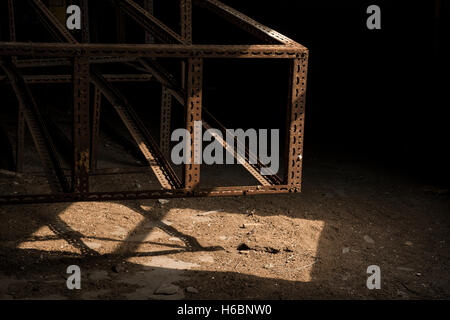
(81, 57)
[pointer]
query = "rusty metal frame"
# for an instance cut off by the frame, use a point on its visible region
(36, 125)
(81, 127)
(82, 58)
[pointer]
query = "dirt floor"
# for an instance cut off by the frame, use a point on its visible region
(314, 245)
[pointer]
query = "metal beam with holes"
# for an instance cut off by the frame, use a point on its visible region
(158, 41)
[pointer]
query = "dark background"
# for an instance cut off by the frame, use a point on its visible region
(377, 95)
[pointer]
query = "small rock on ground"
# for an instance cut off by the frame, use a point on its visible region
(117, 268)
(167, 289)
(405, 269)
(191, 290)
(368, 239)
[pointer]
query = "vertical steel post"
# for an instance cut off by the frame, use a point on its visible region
(296, 121)
(193, 104)
(81, 128)
(186, 20)
(96, 113)
(166, 110)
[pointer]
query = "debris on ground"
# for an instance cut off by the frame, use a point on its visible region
(167, 289)
(368, 239)
(192, 290)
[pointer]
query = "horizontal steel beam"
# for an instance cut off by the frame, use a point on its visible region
(147, 194)
(151, 50)
(62, 62)
(65, 78)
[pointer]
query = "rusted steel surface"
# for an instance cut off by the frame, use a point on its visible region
(81, 125)
(152, 51)
(146, 194)
(61, 62)
(159, 41)
(193, 114)
(96, 114)
(67, 78)
(186, 20)
(296, 121)
(165, 120)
